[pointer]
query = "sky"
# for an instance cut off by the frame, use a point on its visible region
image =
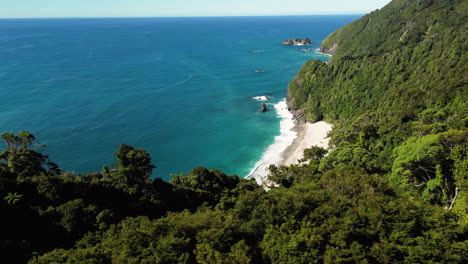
(180, 8)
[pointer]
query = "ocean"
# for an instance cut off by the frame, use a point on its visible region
(180, 88)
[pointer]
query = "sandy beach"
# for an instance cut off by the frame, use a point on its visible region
(308, 135)
(289, 146)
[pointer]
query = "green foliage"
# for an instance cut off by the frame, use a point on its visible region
(432, 164)
(48, 208)
(13, 198)
(341, 215)
(394, 188)
(20, 158)
(395, 82)
(204, 186)
(134, 165)
(207, 237)
(401, 23)
(344, 216)
(313, 154)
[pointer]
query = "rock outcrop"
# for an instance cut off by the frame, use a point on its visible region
(297, 42)
(329, 50)
(299, 115)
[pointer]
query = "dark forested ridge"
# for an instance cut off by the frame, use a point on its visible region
(392, 190)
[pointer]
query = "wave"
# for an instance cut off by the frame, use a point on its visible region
(181, 82)
(274, 153)
(323, 53)
(261, 98)
(189, 77)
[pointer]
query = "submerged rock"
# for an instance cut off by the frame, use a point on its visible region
(297, 42)
(263, 108)
(261, 98)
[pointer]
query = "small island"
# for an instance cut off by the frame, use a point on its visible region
(297, 42)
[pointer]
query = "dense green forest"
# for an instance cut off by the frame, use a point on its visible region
(396, 91)
(392, 188)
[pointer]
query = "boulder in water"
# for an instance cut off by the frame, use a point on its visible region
(263, 108)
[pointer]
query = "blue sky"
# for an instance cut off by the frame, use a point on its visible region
(161, 8)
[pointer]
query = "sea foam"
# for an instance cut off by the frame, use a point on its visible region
(274, 153)
(323, 53)
(261, 98)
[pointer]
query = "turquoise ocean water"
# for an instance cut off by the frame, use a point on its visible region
(181, 88)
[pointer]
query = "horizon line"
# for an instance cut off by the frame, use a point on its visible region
(207, 16)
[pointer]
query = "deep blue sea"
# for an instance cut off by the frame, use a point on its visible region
(181, 88)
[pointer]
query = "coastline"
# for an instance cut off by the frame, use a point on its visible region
(289, 146)
(317, 50)
(273, 153)
(294, 138)
(308, 135)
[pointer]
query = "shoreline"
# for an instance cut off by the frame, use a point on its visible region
(290, 144)
(324, 53)
(273, 153)
(308, 135)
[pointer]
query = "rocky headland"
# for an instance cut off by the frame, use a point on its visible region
(297, 42)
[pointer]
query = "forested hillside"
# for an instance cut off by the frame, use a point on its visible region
(392, 189)
(396, 91)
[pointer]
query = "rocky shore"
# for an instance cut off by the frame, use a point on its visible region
(297, 42)
(329, 50)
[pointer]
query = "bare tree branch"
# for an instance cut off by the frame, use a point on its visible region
(453, 199)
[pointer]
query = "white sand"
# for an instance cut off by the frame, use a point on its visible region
(289, 146)
(273, 154)
(308, 135)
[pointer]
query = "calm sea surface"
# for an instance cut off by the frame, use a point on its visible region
(181, 88)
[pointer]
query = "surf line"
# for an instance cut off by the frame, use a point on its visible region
(274, 153)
